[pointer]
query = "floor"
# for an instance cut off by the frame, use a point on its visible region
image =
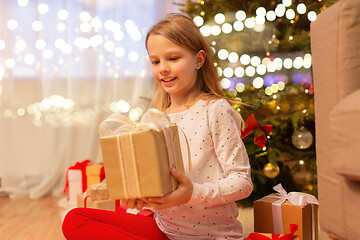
(25, 219)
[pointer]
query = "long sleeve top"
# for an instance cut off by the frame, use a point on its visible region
(220, 173)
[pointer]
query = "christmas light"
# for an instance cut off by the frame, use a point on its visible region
(205, 31)
(250, 71)
(43, 8)
(219, 71)
(23, 3)
(255, 61)
(240, 87)
(238, 26)
(311, 16)
(226, 28)
(12, 24)
(228, 72)
(85, 16)
(219, 18)
(215, 30)
(270, 16)
(233, 57)
(280, 10)
(223, 54)
(261, 69)
(63, 14)
(240, 15)
(301, 8)
(261, 11)
(290, 14)
(258, 82)
(239, 72)
(225, 83)
(245, 59)
(249, 22)
(199, 21)
(10, 63)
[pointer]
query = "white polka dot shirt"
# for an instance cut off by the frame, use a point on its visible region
(220, 172)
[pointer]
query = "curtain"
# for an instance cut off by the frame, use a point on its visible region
(64, 66)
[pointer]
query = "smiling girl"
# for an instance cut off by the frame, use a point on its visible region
(188, 91)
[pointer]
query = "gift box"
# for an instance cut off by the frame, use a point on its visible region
(99, 191)
(87, 202)
(94, 174)
(138, 157)
(272, 236)
(76, 181)
(84, 200)
(274, 214)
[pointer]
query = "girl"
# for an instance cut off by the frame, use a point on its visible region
(203, 205)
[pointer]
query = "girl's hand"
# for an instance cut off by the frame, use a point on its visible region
(179, 196)
(133, 203)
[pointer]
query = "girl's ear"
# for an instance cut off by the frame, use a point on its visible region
(200, 59)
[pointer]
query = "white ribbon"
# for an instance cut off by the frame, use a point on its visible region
(152, 119)
(296, 198)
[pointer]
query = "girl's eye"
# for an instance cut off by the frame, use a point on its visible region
(154, 62)
(174, 58)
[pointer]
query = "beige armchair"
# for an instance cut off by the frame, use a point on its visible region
(335, 46)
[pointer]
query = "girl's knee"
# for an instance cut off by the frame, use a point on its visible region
(72, 220)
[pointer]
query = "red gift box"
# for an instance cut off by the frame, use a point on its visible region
(272, 236)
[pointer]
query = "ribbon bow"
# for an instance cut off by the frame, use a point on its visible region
(250, 125)
(296, 198)
(78, 166)
(259, 236)
(152, 119)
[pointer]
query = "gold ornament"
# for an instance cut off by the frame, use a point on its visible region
(271, 170)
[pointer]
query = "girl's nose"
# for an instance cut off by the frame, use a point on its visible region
(164, 69)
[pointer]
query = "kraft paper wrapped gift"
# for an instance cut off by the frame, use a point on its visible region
(275, 212)
(87, 202)
(99, 191)
(138, 157)
(94, 174)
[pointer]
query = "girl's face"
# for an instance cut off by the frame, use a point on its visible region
(173, 66)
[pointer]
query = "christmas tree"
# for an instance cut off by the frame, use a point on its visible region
(262, 52)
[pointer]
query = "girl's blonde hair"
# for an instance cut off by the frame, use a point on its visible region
(182, 31)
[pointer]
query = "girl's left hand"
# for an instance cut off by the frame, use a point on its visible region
(179, 196)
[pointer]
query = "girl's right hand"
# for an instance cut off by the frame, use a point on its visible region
(133, 203)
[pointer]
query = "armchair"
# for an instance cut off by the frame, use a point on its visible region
(335, 46)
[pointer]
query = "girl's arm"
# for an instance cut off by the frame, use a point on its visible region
(225, 127)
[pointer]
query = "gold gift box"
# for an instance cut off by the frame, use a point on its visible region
(93, 174)
(291, 214)
(137, 163)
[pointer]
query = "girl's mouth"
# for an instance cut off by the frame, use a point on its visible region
(168, 80)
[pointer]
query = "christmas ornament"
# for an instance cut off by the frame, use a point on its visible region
(302, 138)
(260, 136)
(271, 170)
(274, 41)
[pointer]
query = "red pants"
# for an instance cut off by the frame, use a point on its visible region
(94, 224)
